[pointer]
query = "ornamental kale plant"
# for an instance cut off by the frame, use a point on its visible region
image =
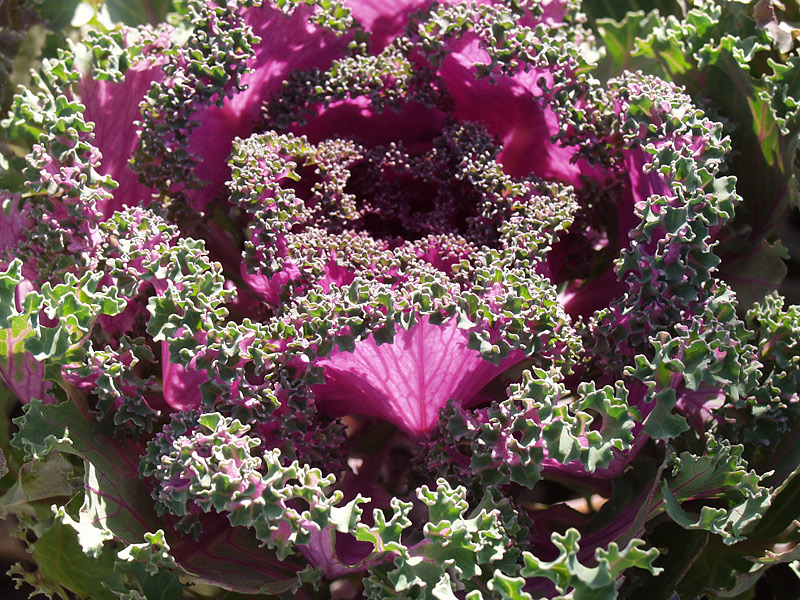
(413, 299)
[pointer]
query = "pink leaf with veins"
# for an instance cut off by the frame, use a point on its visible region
(408, 381)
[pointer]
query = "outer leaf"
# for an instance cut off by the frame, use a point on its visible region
(62, 566)
(588, 583)
(114, 505)
(52, 478)
(620, 40)
(685, 549)
(142, 585)
(138, 12)
(719, 473)
(598, 9)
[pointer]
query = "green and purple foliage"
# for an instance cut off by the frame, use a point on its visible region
(413, 299)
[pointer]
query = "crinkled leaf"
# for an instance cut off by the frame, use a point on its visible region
(587, 583)
(719, 474)
(459, 549)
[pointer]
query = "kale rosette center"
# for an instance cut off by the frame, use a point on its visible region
(271, 264)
